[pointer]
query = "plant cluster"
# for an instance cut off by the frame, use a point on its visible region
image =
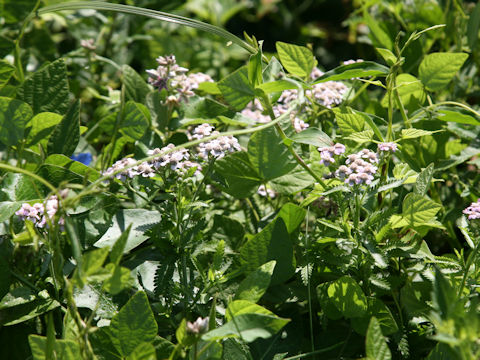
(278, 211)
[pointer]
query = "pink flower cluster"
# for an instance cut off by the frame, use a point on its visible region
(473, 211)
(327, 153)
(360, 169)
(39, 213)
(387, 147)
(172, 77)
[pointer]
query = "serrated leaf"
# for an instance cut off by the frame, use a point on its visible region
(356, 70)
(423, 180)
(248, 327)
(66, 134)
(14, 115)
(133, 325)
(312, 136)
(361, 137)
(417, 211)
(236, 88)
(349, 121)
(376, 346)
(297, 60)
(348, 297)
(438, 69)
(413, 133)
(47, 90)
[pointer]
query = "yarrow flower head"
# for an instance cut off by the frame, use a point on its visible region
(173, 78)
(387, 147)
(473, 211)
(39, 213)
(327, 153)
(361, 168)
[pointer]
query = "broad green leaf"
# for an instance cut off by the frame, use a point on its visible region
(297, 60)
(292, 215)
(272, 243)
(410, 90)
(256, 283)
(238, 307)
(417, 211)
(117, 249)
(64, 349)
(242, 180)
(66, 135)
(236, 89)
(438, 69)
(136, 89)
(47, 90)
(14, 115)
(201, 108)
(248, 327)
(361, 137)
(402, 171)
(348, 297)
(272, 70)
(382, 313)
(143, 351)
(376, 346)
(387, 55)
(277, 86)
(6, 72)
(140, 219)
(70, 166)
(356, 70)
(268, 154)
(136, 121)
(255, 69)
(40, 127)
(473, 27)
(120, 278)
(93, 297)
(423, 180)
(133, 325)
(296, 180)
(456, 116)
(27, 311)
(413, 133)
(349, 121)
(312, 136)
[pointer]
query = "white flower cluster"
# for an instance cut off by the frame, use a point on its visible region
(328, 93)
(360, 169)
(387, 147)
(172, 77)
(266, 192)
(144, 169)
(177, 161)
(216, 148)
(473, 211)
(40, 214)
(254, 110)
(327, 153)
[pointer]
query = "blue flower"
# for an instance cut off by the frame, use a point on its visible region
(84, 158)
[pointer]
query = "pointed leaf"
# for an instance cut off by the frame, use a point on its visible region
(297, 60)
(66, 134)
(256, 283)
(438, 69)
(14, 115)
(376, 346)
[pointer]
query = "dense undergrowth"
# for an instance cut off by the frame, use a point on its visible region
(169, 190)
